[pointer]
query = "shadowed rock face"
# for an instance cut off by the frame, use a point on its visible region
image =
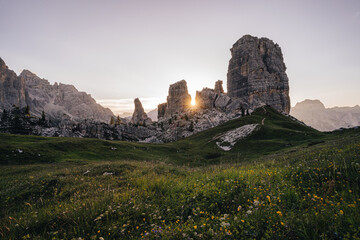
(256, 74)
(12, 88)
(140, 117)
(162, 109)
(178, 100)
(206, 98)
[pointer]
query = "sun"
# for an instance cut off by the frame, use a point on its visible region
(193, 103)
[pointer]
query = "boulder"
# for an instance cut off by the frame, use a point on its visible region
(222, 101)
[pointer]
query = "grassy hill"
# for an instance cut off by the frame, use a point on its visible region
(278, 133)
(284, 181)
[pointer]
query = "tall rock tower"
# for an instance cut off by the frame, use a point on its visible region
(256, 74)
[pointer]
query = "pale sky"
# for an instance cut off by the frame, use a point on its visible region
(120, 50)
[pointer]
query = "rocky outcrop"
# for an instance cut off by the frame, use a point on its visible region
(209, 98)
(139, 116)
(62, 99)
(218, 87)
(205, 99)
(56, 100)
(314, 114)
(12, 88)
(223, 102)
(16, 120)
(161, 110)
(178, 100)
(256, 74)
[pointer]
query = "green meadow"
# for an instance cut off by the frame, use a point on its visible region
(284, 181)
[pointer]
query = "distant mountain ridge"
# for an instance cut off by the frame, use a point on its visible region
(55, 100)
(314, 114)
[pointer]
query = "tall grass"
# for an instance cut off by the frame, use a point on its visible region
(312, 193)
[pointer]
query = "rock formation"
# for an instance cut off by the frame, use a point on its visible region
(12, 88)
(256, 74)
(209, 98)
(56, 100)
(205, 99)
(218, 87)
(139, 116)
(62, 99)
(178, 100)
(161, 110)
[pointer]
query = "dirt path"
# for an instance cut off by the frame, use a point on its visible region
(262, 121)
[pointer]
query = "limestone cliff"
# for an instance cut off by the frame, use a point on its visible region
(62, 99)
(12, 88)
(256, 74)
(56, 100)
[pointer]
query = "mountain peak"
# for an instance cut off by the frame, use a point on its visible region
(27, 73)
(308, 103)
(2, 64)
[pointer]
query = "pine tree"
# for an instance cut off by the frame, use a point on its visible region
(118, 120)
(242, 111)
(27, 110)
(112, 121)
(43, 118)
(191, 127)
(247, 112)
(4, 116)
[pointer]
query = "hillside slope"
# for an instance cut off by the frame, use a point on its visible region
(304, 192)
(274, 132)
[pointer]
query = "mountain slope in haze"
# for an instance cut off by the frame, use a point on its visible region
(314, 114)
(153, 114)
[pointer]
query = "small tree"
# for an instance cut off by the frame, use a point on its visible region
(112, 121)
(43, 118)
(4, 116)
(247, 112)
(118, 120)
(191, 127)
(27, 110)
(242, 111)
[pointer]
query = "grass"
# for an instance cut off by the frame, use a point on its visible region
(279, 133)
(308, 189)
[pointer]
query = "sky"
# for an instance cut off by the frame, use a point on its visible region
(117, 50)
